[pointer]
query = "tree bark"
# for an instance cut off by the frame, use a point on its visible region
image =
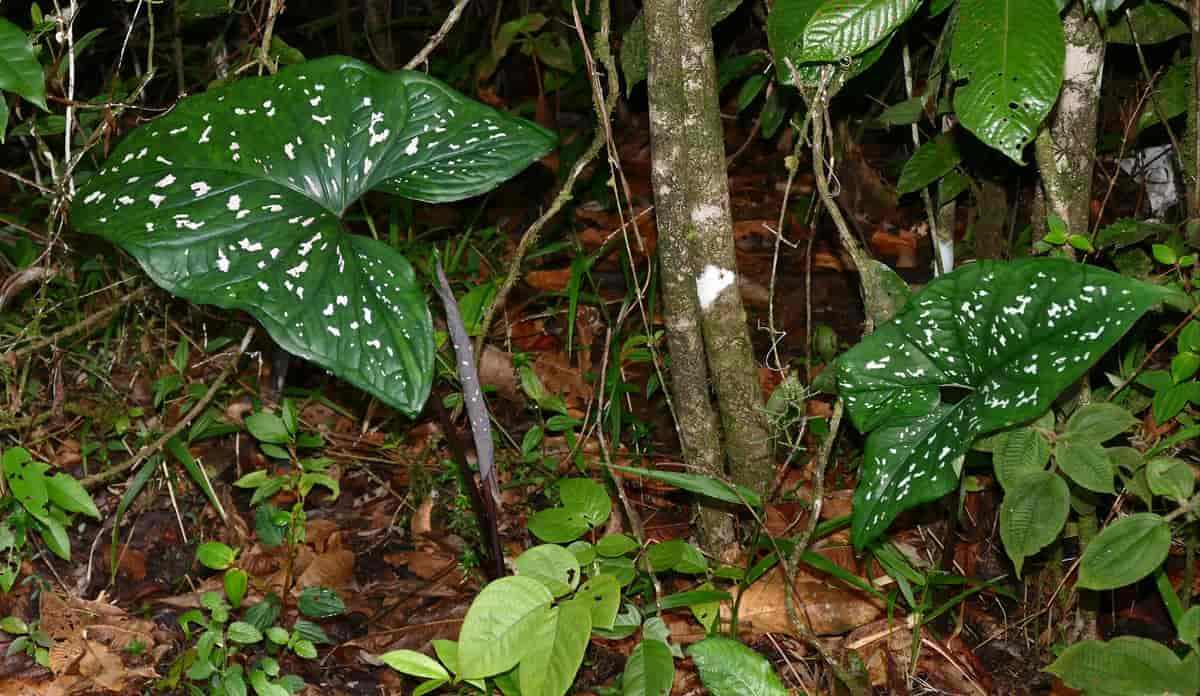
(699, 429)
(1066, 147)
(692, 190)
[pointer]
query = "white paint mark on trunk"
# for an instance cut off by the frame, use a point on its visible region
(710, 284)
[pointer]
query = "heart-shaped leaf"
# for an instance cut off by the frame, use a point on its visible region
(235, 198)
(1005, 337)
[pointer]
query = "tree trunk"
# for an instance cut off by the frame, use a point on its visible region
(706, 323)
(1066, 147)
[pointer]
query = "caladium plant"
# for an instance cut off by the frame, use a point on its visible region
(1005, 337)
(235, 199)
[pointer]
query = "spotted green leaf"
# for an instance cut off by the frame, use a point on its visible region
(1011, 55)
(235, 199)
(1005, 337)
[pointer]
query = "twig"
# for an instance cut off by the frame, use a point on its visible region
(80, 326)
(436, 39)
(103, 477)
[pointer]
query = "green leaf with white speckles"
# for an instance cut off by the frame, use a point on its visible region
(1004, 339)
(235, 199)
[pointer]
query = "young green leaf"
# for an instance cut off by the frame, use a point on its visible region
(613, 545)
(1018, 452)
(1124, 666)
(320, 603)
(499, 625)
(649, 671)
(1034, 511)
(603, 594)
(585, 498)
(931, 162)
(552, 565)
(234, 198)
(20, 71)
(267, 427)
(215, 555)
(729, 668)
(1086, 463)
(1098, 422)
(1170, 477)
(1124, 552)
(556, 650)
(1011, 336)
(414, 664)
(65, 492)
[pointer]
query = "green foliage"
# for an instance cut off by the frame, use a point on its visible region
(1011, 56)
(1012, 336)
(39, 502)
(728, 668)
(931, 162)
(20, 71)
(585, 505)
(842, 29)
(234, 199)
(650, 669)
(1124, 666)
(229, 654)
(1125, 551)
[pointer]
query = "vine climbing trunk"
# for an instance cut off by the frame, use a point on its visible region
(706, 322)
(1066, 147)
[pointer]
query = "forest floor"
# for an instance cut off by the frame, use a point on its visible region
(399, 544)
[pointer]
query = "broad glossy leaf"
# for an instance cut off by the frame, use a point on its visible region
(585, 498)
(1009, 337)
(786, 26)
(1011, 54)
(841, 29)
(1033, 513)
(1124, 666)
(497, 629)
(556, 650)
(20, 71)
(235, 199)
(729, 668)
(1125, 551)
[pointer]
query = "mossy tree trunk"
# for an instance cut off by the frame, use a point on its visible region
(706, 322)
(1066, 147)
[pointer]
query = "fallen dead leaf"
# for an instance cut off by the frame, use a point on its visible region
(830, 607)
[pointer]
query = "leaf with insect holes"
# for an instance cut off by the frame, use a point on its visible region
(1005, 337)
(235, 199)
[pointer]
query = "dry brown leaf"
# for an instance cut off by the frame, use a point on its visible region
(830, 607)
(334, 568)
